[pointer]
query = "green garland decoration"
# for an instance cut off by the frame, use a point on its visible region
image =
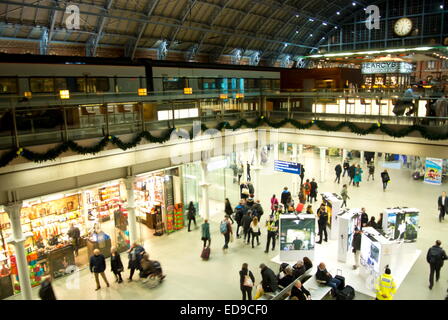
(56, 152)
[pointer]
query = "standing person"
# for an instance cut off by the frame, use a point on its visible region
(228, 209)
(244, 189)
(307, 187)
(226, 229)
(351, 173)
(356, 245)
(74, 235)
(240, 173)
(255, 231)
(248, 171)
(272, 228)
(302, 174)
(46, 290)
(372, 223)
(302, 196)
(191, 215)
(435, 257)
(443, 206)
(98, 266)
(358, 176)
(346, 166)
(205, 232)
(385, 179)
(313, 191)
(364, 218)
(338, 170)
(251, 188)
(344, 195)
(380, 222)
(322, 222)
(135, 254)
(269, 280)
(240, 210)
(285, 195)
(116, 264)
(385, 286)
(245, 222)
(257, 210)
(247, 281)
(274, 203)
(371, 171)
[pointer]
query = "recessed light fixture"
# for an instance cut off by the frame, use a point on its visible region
(335, 27)
(297, 31)
(441, 6)
(297, 15)
(338, 13)
(353, 3)
(311, 19)
(324, 23)
(286, 44)
(311, 34)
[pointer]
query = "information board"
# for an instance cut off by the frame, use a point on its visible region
(288, 167)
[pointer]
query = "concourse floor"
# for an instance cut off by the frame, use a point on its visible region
(190, 278)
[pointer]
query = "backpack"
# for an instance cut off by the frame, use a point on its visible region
(223, 227)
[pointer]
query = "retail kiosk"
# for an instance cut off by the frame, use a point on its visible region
(333, 204)
(349, 219)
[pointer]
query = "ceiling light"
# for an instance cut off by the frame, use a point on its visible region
(353, 4)
(286, 44)
(297, 31)
(311, 34)
(310, 19)
(324, 23)
(335, 27)
(297, 15)
(338, 13)
(441, 6)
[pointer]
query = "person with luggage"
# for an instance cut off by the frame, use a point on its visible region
(385, 286)
(116, 264)
(228, 209)
(371, 167)
(255, 231)
(205, 232)
(75, 235)
(322, 222)
(346, 166)
(97, 265)
(299, 291)
(435, 257)
(240, 210)
(135, 254)
(323, 275)
(46, 291)
(313, 190)
(269, 280)
(351, 174)
(247, 281)
(191, 215)
(344, 195)
(442, 202)
(338, 170)
(226, 230)
(385, 179)
(272, 228)
(356, 245)
(274, 204)
(307, 188)
(285, 196)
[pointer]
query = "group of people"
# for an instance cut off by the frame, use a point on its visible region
(354, 172)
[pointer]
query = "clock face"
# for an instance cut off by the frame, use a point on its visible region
(403, 27)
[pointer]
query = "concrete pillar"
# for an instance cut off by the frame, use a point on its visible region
(361, 158)
(300, 159)
(294, 151)
(205, 186)
(257, 170)
(276, 153)
(322, 163)
(131, 207)
(285, 148)
(344, 154)
(18, 240)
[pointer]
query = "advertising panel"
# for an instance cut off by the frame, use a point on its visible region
(433, 171)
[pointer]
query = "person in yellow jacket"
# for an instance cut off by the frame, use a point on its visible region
(385, 286)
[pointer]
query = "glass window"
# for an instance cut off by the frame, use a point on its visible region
(8, 85)
(98, 84)
(60, 84)
(207, 83)
(42, 85)
(128, 84)
(173, 83)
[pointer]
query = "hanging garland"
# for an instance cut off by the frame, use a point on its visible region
(56, 152)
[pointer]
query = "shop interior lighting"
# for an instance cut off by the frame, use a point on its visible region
(324, 23)
(142, 92)
(312, 20)
(223, 96)
(64, 94)
(28, 94)
(188, 90)
(370, 52)
(441, 6)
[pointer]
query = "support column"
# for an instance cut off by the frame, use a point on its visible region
(205, 186)
(131, 207)
(322, 163)
(301, 151)
(276, 153)
(285, 148)
(18, 240)
(294, 151)
(344, 154)
(257, 170)
(362, 158)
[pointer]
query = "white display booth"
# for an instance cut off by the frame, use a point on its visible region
(348, 220)
(401, 224)
(333, 203)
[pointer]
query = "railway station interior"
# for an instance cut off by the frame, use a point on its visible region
(118, 119)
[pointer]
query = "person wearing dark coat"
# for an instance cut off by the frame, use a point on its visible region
(442, 202)
(298, 269)
(46, 290)
(244, 195)
(191, 215)
(245, 222)
(240, 210)
(351, 173)
(285, 196)
(245, 284)
(228, 210)
(75, 235)
(385, 179)
(323, 275)
(299, 291)
(346, 166)
(307, 263)
(98, 266)
(248, 171)
(322, 222)
(313, 193)
(257, 210)
(435, 257)
(338, 170)
(250, 186)
(356, 244)
(116, 265)
(302, 174)
(269, 280)
(364, 218)
(285, 278)
(135, 254)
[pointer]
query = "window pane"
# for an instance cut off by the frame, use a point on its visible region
(60, 84)
(8, 85)
(42, 85)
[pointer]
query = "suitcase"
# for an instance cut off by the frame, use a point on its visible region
(348, 293)
(205, 253)
(342, 279)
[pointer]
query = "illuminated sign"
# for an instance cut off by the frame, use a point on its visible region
(386, 67)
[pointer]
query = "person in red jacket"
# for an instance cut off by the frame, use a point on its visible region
(274, 204)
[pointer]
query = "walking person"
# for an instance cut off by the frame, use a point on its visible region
(135, 254)
(385, 179)
(247, 281)
(205, 233)
(244, 190)
(358, 176)
(97, 266)
(313, 191)
(346, 166)
(116, 264)
(302, 174)
(302, 196)
(240, 210)
(245, 222)
(435, 257)
(248, 171)
(272, 228)
(371, 167)
(351, 173)
(322, 222)
(338, 171)
(385, 286)
(274, 204)
(251, 188)
(226, 230)
(364, 218)
(240, 173)
(228, 209)
(356, 245)
(344, 195)
(307, 187)
(443, 206)
(75, 235)
(191, 215)
(255, 231)
(285, 196)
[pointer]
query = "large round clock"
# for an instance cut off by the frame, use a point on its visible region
(403, 27)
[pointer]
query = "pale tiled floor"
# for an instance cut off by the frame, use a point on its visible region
(188, 277)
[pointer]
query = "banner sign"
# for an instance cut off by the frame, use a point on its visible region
(386, 67)
(433, 171)
(286, 166)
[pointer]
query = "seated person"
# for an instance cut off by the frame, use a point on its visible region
(285, 278)
(307, 263)
(298, 269)
(298, 291)
(269, 280)
(149, 267)
(323, 275)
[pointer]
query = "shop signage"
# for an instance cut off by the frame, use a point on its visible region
(386, 67)
(433, 171)
(286, 166)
